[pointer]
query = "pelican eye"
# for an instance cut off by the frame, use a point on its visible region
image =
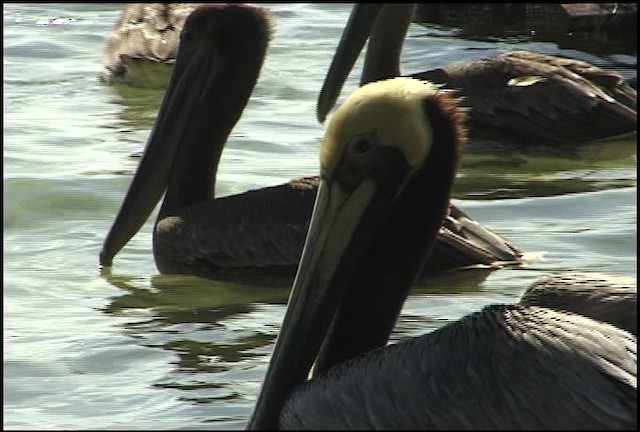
(360, 145)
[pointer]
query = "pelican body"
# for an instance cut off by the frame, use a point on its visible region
(387, 163)
(519, 98)
(258, 233)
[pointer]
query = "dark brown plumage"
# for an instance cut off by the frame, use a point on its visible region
(257, 233)
(505, 367)
(527, 98)
(602, 297)
(519, 98)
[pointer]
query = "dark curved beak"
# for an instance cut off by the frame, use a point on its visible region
(195, 70)
(354, 36)
(342, 226)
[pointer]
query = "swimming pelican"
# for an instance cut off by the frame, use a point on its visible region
(388, 162)
(522, 98)
(146, 33)
(253, 234)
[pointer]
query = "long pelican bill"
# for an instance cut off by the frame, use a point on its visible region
(372, 156)
(195, 70)
(354, 37)
(341, 224)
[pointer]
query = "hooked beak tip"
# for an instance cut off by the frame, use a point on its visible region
(104, 261)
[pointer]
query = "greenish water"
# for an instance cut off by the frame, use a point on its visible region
(135, 349)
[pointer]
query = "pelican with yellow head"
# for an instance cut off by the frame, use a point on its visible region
(387, 163)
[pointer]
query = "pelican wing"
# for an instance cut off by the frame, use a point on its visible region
(609, 81)
(537, 102)
(505, 367)
(266, 229)
(601, 297)
(263, 228)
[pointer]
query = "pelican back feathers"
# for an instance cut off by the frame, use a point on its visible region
(606, 298)
(547, 369)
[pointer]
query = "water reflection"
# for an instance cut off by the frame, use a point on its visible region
(168, 300)
(511, 173)
(207, 326)
(168, 293)
(203, 323)
(139, 105)
(452, 282)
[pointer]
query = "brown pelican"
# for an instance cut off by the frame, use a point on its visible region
(520, 98)
(253, 234)
(146, 33)
(387, 163)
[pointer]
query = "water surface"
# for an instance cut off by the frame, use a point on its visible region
(138, 350)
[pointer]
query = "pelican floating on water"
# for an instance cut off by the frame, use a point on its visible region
(253, 234)
(518, 98)
(387, 163)
(146, 33)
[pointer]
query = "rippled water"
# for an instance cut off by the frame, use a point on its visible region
(134, 349)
